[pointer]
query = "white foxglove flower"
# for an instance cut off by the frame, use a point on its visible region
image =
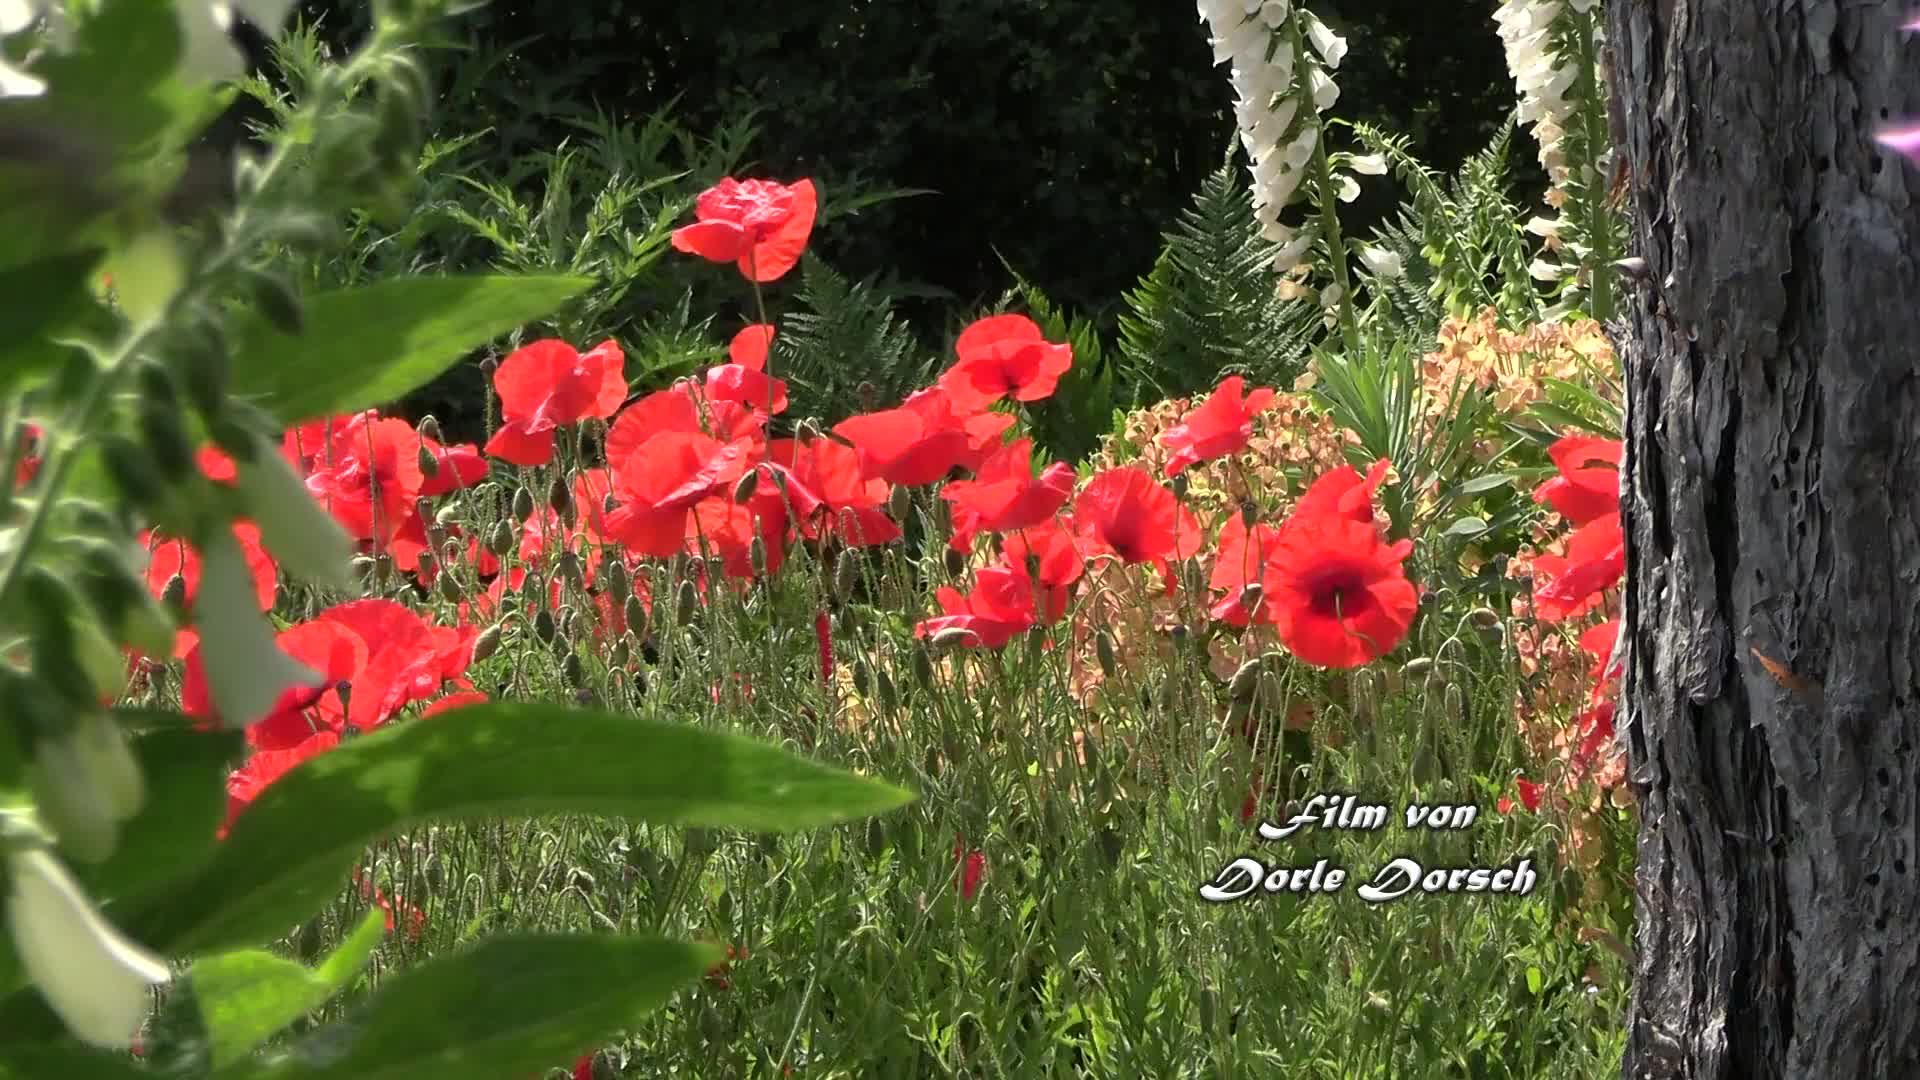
(1368, 164)
(15, 16)
(1544, 227)
(1325, 91)
(94, 979)
(1330, 296)
(300, 534)
(246, 671)
(85, 784)
(1382, 262)
(1348, 190)
(1542, 270)
(1331, 46)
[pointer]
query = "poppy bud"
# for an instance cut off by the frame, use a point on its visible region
(429, 428)
(876, 838)
(1416, 667)
(1103, 650)
(1250, 597)
(1208, 1008)
(132, 471)
(1484, 618)
(174, 593)
(956, 563)
(953, 637)
(1240, 688)
(1249, 514)
(862, 677)
(522, 503)
(685, 603)
(884, 690)
(757, 556)
(621, 653)
(275, 299)
(156, 387)
(849, 621)
(1425, 765)
(570, 570)
(487, 643)
(543, 626)
(534, 590)
(744, 488)
(203, 368)
(383, 569)
(922, 667)
(575, 672)
(1456, 704)
(449, 585)
(1179, 486)
(899, 503)
(559, 496)
(636, 612)
(500, 540)
(429, 463)
(930, 763)
(846, 573)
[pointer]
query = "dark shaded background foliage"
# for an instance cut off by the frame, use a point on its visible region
(1062, 136)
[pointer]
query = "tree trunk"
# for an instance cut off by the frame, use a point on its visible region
(1773, 553)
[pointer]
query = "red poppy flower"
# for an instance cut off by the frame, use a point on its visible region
(454, 702)
(459, 467)
(744, 380)
(1598, 642)
(1344, 493)
(660, 481)
(973, 867)
(824, 490)
(1004, 356)
(1246, 558)
(1340, 596)
(416, 919)
(1583, 492)
(727, 529)
(369, 477)
(1530, 793)
(1005, 495)
(29, 466)
(1126, 512)
(922, 441)
(758, 225)
(548, 385)
(1570, 585)
(265, 766)
(1220, 427)
(583, 1067)
(1595, 729)
(167, 557)
(1000, 606)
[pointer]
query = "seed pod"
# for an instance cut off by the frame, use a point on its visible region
(862, 677)
(1209, 1002)
(500, 540)
(1179, 486)
(1103, 650)
(635, 612)
(1484, 617)
(383, 569)
(677, 566)
(166, 442)
(1250, 596)
(544, 627)
(429, 428)
(1249, 514)
(955, 562)
(899, 503)
(450, 590)
(922, 665)
(423, 565)
(429, 464)
(757, 556)
(685, 603)
(613, 571)
(559, 496)
(876, 838)
(570, 570)
(487, 643)
(743, 489)
(575, 672)
(846, 575)
(1416, 667)
(1456, 703)
(884, 690)
(522, 504)
(1241, 686)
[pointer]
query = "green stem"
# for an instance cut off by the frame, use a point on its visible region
(1325, 194)
(1598, 230)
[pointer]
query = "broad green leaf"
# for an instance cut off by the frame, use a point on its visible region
(509, 1007)
(291, 850)
(1471, 526)
(173, 834)
(370, 344)
(247, 997)
(1486, 483)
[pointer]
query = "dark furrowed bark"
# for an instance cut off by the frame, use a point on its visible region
(1773, 448)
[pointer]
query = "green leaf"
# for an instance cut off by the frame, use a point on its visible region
(1486, 483)
(509, 1007)
(1470, 526)
(173, 834)
(290, 851)
(370, 344)
(245, 998)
